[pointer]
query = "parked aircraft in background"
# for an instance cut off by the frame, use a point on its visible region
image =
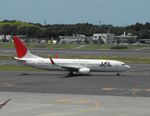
(73, 66)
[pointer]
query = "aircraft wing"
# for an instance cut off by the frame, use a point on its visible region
(78, 69)
(67, 67)
(72, 68)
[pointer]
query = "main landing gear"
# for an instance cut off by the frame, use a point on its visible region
(71, 73)
(118, 74)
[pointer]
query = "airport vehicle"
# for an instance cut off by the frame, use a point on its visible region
(73, 66)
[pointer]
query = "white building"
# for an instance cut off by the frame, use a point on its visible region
(75, 39)
(6, 37)
(104, 38)
(126, 38)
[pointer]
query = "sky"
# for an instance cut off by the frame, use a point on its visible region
(115, 12)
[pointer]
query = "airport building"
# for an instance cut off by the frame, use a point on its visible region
(103, 38)
(5, 38)
(107, 38)
(144, 41)
(75, 39)
(126, 38)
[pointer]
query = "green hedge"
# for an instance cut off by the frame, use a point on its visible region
(119, 47)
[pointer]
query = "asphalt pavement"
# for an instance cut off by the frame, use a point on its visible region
(75, 53)
(132, 83)
(53, 93)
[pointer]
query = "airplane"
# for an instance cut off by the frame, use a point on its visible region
(72, 66)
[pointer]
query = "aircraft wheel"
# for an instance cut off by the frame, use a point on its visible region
(118, 74)
(71, 73)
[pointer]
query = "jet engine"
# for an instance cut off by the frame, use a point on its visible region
(84, 71)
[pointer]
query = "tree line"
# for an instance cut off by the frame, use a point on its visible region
(36, 30)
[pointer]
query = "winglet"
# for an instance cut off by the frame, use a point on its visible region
(52, 62)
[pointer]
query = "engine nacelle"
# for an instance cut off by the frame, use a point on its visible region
(84, 71)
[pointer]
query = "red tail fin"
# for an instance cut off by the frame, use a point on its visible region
(21, 50)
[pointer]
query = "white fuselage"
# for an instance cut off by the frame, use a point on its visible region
(93, 65)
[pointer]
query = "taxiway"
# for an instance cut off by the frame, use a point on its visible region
(133, 83)
(49, 93)
(75, 53)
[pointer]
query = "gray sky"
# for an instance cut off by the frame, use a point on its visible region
(116, 12)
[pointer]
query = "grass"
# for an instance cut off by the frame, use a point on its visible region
(16, 23)
(68, 46)
(128, 60)
(57, 46)
(131, 60)
(96, 47)
(6, 58)
(15, 68)
(38, 45)
(108, 47)
(6, 44)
